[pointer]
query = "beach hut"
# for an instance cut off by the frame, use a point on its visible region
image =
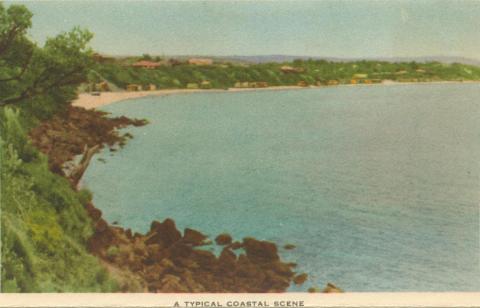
(192, 85)
(205, 84)
(133, 87)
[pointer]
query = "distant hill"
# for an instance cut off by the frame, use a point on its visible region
(289, 58)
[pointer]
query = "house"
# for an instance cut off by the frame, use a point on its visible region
(332, 82)
(151, 87)
(258, 84)
(134, 87)
(353, 81)
(200, 61)
(302, 83)
(192, 85)
(147, 64)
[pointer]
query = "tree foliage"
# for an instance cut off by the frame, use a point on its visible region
(42, 78)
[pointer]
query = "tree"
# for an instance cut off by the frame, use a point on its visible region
(29, 73)
(146, 56)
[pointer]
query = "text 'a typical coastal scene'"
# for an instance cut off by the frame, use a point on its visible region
(239, 147)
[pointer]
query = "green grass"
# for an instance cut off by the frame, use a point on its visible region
(43, 222)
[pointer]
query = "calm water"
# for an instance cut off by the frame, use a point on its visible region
(378, 187)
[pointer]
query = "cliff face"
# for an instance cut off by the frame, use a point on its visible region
(164, 259)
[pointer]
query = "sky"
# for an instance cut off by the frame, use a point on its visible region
(347, 29)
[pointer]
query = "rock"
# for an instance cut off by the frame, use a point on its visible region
(235, 245)
(314, 290)
(193, 237)
(280, 268)
(223, 239)
(172, 284)
(331, 288)
(129, 234)
(93, 212)
(165, 233)
(180, 250)
(227, 260)
(101, 226)
(260, 251)
(300, 279)
(289, 247)
(205, 259)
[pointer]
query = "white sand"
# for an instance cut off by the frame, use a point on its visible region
(89, 101)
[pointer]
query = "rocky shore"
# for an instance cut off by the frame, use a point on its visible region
(164, 259)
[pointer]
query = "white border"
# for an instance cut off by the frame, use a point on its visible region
(414, 299)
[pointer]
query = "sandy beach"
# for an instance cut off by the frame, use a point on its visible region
(88, 101)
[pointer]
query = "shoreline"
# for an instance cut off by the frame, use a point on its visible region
(88, 101)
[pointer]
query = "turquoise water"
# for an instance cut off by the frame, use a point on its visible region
(378, 187)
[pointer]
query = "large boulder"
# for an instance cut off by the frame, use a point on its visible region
(193, 237)
(223, 239)
(300, 279)
(260, 251)
(164, 233)
(331, 288)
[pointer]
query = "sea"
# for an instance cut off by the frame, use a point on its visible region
(378, 187)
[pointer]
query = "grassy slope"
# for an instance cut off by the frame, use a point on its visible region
(44, 224)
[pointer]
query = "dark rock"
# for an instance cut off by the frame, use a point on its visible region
(331, 288)
(300, 279)
(289, 247)
(165, 233)
(94, 213)
(260, 251)
(101, 226)
(223, 239)
(180, 250)
(193, 237)
(205, 259)
(172, 284)
(128, 233)
(227, 260)
(235, 245)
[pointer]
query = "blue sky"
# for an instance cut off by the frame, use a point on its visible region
(314, 28)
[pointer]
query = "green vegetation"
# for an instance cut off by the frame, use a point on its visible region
(312, 72)
(43, 221)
